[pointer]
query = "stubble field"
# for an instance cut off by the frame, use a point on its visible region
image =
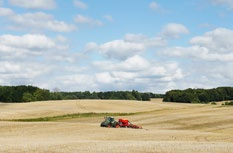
(167, 127)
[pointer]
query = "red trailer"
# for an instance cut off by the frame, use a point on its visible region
(126, 123)
(123, 122)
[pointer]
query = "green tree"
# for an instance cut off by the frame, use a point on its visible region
(28, 97)
(204, 97)
(145, 96)
(42, 94)
(137, 95)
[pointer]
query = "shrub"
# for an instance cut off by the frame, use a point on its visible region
(213, 103)
(229, 103)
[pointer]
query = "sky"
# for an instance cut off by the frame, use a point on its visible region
(90, 45)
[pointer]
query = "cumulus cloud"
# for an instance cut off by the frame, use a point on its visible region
(208, 59)
(41, 20)
(218, 40)
(121, 49)
(138, 73)
(131, 64)
(35, 21)
(131, 45)
(80, 4)
(26, 72)
(22, 46)
(34, 4)
(173, 30)
(80, 19)
(227, 3)
(34, 59)
(214, 45)
(29, 41)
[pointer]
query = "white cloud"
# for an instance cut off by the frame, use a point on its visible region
(41, 20)
(174, 30)
(87, 20)
(134, 37)
(135, 63)
(121, 49)
(74, 82)
(146, 41)
(131, 64)
(91, 46)
(6, 12)
(197, 53)
(137, 73)
(131, 45)
(27, 41)
(218, 40)
(80, 4)
(35, 59)
(15, 72)
(227, 3)
(7, 67)
(13, 47)
(154, 6)
(34, 4)
(214, 45)
(105, 77)
(207, 61)
(35, 21)
(132, 73)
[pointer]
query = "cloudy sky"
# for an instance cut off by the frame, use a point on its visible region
(145, 45)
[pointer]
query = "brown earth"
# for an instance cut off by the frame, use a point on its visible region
(167, 128)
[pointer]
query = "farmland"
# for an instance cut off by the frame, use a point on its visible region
(167, 127)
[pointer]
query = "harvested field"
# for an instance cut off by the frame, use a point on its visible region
(168, 127)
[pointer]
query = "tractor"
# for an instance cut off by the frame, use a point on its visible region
(110, 122)
(122, 123)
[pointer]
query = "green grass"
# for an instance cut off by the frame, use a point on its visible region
(77, 115)
(71, 116)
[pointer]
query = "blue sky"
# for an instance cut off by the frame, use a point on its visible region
(144, 45)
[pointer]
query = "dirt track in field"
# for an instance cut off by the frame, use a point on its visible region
(168, 128)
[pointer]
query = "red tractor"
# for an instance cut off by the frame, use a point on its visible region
(123, 123)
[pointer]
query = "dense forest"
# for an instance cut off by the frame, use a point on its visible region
(199, 95)
(30, 93)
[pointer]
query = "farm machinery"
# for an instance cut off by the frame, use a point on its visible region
(121, 123)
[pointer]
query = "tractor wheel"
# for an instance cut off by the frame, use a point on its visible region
(109, 125)
(117, 126)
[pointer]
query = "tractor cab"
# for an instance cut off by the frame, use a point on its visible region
(109, 122)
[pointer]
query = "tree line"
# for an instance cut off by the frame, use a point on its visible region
(199, 95)
(25, 93)
(124, 95)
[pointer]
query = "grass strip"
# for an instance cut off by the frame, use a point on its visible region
(76, 115)
(71, 116)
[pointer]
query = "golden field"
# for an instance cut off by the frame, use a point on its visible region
(167, 127)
